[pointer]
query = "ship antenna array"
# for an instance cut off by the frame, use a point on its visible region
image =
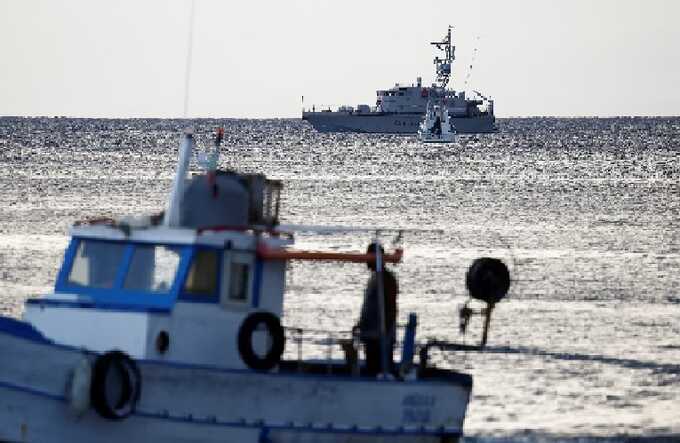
(443, 66)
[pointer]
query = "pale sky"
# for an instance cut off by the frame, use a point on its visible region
(126, 58)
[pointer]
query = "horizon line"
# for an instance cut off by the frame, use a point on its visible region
(76, 117)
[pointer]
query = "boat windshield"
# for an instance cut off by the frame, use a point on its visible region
(135, 267)
(96, 263)
(152, 269)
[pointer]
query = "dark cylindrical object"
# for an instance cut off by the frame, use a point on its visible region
(488, 279)
(116, 385)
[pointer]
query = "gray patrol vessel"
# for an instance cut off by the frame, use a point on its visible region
(400, 109)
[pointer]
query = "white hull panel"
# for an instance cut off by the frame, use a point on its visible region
(181, 403)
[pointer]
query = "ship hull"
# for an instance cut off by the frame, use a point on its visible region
(181, 403)
(391, 123)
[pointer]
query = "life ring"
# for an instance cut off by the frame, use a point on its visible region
(245, 341)
(116, 385)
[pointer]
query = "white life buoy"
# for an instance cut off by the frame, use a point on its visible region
(78, 390)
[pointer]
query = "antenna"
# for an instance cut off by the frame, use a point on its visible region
(443, 66)
(187, 74)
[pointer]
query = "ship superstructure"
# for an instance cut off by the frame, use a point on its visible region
(401, 108)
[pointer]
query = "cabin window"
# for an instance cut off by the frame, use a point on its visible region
(238, 282)
(202, 278)
(236, 277)
(96, 263)
(152, 268)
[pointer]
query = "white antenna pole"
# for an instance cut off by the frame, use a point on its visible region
(187, 75)
(172, 212)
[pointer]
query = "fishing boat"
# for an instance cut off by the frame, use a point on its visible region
(169, 328)
(436, 126)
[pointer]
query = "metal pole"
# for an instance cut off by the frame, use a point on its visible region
(381, 309)
(172, 212)
(487, 322)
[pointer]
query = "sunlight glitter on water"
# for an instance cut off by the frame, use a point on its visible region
(583, 210)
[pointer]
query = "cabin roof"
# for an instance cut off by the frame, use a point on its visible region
(243, 238)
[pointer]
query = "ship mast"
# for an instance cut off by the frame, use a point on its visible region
(443, 65)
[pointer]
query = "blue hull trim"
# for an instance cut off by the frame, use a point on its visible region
(21, 329)
(44, 302)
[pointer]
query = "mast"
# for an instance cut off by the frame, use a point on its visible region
(443, 65)
(172, 213)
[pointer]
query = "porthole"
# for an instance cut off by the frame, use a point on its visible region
(162, 342)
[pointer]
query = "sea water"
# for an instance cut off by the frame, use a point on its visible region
(584, 211)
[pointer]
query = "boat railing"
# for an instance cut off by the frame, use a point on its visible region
(342, 352)
(339, 108)
(331, 349)
(324, 107)
(325, 347)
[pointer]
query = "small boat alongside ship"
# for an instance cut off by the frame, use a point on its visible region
(400, 109)
(436, 126)
(169, 328)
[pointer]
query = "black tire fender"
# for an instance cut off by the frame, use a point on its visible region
(116, 385)
(245, 342)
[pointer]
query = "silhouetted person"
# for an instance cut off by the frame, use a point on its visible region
(437, 126)
(369, 322)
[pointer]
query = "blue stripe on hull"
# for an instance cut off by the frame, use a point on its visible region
(21, 329)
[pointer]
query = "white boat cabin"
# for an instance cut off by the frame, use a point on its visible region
(175, 293)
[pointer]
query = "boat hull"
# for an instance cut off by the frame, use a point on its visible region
(181, 403)
(391, 123)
